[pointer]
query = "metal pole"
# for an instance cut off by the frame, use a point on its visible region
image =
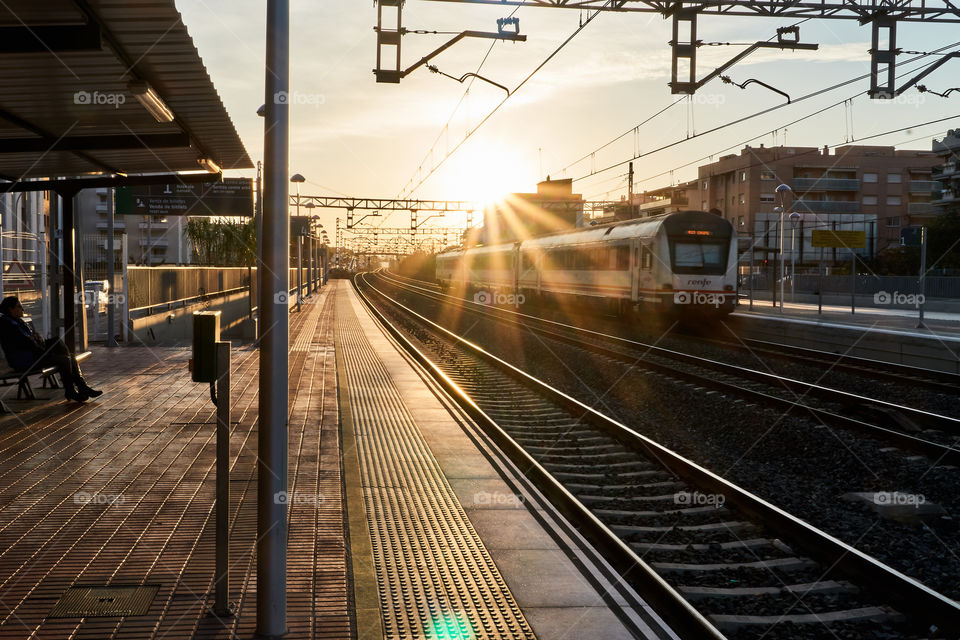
(221, 605)
(793, 264)
(923, 274)
(820, 285)
(853, 281)
(259, 224)
(299, 270)
(69, 280)
(44, 297)
(111, 274)
(781, 259)
(78, 260)
(275, 329)
(124, 280)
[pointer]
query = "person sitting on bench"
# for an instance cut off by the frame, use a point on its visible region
(27, 351)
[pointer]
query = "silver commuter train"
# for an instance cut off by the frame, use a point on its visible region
(681, 263)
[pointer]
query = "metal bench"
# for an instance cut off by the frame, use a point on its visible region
(10, 377)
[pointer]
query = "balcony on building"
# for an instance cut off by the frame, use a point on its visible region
(922, 209)
(159, 226)
(154, 242)
(826, 206)
(924, 187)
(118, 225)
(801, 185)
(945, 196)
(945, 170)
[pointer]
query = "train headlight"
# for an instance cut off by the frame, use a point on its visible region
(728, 287)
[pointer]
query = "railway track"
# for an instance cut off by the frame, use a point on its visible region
(893, 422)
(936, 381)
(713, 559)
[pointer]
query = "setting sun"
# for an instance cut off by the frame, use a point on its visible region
(486, 173)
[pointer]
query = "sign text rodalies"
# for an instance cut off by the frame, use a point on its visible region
(232, 197)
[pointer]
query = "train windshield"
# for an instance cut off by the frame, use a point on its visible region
(699, 256)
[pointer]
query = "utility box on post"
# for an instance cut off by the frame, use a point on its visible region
(206, 334)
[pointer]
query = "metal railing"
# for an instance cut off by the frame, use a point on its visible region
(151, 287)
(826, 206)
(825, 184)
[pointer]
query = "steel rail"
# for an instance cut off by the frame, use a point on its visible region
(940, 381)
(680, 614)
(918, 416)
(873, 575)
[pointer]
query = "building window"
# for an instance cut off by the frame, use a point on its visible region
(743, 176)
(733, 200)
(703, 205)
(743, 200)
(869, 199)
(893, 222)
(869, 177)
(767, 197)
(893, 178)
(894, 200)
(740, 222)
(768, 175)
(703, 185)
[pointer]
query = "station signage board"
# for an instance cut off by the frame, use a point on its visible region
(911, 236)
(232, 197)
(829, 238)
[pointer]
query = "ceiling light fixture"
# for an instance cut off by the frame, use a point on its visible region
(154, 105)
(209, 165)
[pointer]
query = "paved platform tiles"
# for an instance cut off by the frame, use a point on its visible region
(454, 550)
(937, 324)
(120, 491)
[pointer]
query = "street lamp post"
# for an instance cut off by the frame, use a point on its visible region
(794, 220)
(297, 179)
(783, 188)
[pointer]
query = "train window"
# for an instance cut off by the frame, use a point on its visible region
(646, 259)
(623, 258)
(705, 256)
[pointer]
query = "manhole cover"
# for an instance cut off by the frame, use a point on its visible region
(104, 602)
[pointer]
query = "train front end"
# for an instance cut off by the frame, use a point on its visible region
(702, 250)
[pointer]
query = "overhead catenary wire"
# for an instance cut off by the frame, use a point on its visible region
(799, 155)
(470, 133)
(661, 111)
(762, 112)
(456, 107)
(766, 133)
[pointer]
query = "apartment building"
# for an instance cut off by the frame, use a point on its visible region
(947, 171)
(875, 189)
(151, 240)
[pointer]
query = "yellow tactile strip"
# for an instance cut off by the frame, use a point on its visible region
(436, 579)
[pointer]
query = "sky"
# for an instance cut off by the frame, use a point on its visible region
(352, 136)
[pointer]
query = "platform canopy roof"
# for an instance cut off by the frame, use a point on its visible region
(106, 87)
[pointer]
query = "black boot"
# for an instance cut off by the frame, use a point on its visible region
(76, 396)
(85, 389)
(90, 393)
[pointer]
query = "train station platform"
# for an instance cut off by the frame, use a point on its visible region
(404, 522)
(879, 333)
